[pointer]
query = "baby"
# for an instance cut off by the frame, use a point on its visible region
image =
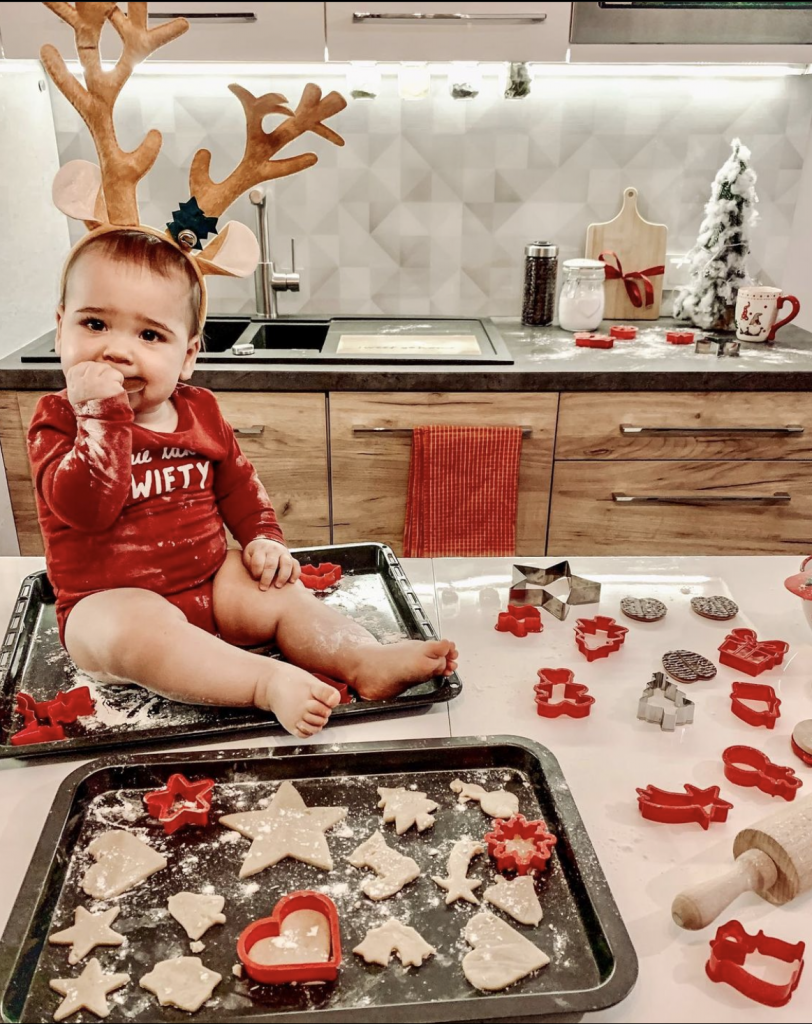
(137, 475)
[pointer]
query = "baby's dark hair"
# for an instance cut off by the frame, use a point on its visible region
(131, 245)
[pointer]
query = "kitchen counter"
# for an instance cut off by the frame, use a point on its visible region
(604, 757)
(546, 359)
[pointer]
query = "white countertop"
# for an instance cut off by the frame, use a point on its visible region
(604, 757)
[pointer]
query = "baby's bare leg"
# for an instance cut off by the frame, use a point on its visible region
(139, 636)
(320, 639)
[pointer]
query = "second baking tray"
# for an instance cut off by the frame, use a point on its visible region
(374, 591)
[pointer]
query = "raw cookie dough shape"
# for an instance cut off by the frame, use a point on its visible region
(500, 956)
(394, 937)
(458, 886)
(516, 897)
(393, 869)
(286, 828)
(406, 807)
(88, 991)
(88, 931)
(196, 912)
(498, 803)
(122, 861)
(182, 981)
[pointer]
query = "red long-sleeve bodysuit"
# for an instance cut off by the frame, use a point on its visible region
(123, 506)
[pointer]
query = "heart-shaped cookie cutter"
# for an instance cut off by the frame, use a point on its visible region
(270, 928)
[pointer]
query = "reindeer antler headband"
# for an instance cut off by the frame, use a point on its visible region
(104, 196)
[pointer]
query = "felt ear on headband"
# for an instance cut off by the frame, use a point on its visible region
(105, 195)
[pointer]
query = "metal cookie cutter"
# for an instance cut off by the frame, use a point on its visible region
(529, 581)
(682, 713)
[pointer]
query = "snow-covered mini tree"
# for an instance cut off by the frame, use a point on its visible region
(718, 260)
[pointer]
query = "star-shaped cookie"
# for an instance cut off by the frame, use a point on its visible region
(287, 828)
(457, 885)
(87, 992)
(88, 931)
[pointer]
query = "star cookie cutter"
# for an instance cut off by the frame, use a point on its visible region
(615, 636)
(44, 719)
(180, 802)
(760, 692)
(575, 702)
(529, 582)
(743, 651)
(534, 852)
(747, 766)
(270, 928)
(320, 577)
(668, 718)
(519, 620)
(729, 950)
(700, 805)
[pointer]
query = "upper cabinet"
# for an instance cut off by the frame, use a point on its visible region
(219, 32)
(500, 30)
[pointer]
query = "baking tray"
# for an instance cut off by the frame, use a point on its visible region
(374, 590)
(593, 963)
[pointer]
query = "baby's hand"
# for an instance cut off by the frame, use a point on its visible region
(87, 381)
(265, 559)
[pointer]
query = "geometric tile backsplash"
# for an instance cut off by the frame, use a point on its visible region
(428, 206)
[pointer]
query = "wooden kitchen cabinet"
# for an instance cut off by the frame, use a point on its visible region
(370, 472)
(283, 435)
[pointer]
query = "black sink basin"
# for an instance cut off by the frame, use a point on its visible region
(259, 341)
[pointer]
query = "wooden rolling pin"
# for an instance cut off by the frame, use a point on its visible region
(773, 859)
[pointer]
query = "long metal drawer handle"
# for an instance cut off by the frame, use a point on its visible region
(256, 431)
(221, 17)
(629, 429)
(408, 431)
(518, 18)
(779, 498)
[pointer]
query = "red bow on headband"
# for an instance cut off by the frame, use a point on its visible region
(631, 279)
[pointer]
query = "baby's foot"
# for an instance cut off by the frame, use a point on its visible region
(300, 701)
(385, 670)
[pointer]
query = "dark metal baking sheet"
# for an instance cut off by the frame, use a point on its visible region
(593, 963)
(374, 591)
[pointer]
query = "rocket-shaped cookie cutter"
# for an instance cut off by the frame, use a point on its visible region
(668, 718)
(529, 582)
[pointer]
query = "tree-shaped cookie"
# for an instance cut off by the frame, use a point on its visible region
(406, 808)
(394, 937)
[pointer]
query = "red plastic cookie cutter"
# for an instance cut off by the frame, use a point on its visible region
(180, 802)
(743, 651)
(763, 694)
(519, 845)
(700, 805)
(65, 708)
(747, 766)
(270, 928)
(575, 701)
(519, 620)
(36, 732)
(680, 337)
(615, 636)
(730, 948)
(320, 577)
(623, 332)
(587, 339)
(345, 697)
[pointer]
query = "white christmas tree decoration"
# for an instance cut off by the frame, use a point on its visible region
(719, 258)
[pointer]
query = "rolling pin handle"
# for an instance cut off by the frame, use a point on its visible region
(753, 871)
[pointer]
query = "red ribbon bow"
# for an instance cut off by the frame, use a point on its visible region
(631, 279)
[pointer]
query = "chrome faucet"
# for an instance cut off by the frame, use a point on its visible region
(267, 280)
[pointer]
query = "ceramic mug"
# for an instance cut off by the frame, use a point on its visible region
(801, 585)
(757, 310)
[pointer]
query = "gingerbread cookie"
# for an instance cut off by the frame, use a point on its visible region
(687, 667)
(643, 609)
(720, 608)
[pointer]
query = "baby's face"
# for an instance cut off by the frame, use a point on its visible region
(132, 318)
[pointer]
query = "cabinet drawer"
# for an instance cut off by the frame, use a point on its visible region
(641, 425)
(741, 514)
(370, 472)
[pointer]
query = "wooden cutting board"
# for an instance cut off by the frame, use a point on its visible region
(639, 245)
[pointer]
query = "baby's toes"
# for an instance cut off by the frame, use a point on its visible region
(324, 693)
(317, 710)
(303, 730)
(314, 719)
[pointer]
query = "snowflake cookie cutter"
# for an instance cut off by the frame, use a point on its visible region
(668, 718)
(748, 766)
(615, 636)
(321, 576)
(576, 701)
(180, 802)
(700, 805)
(529, 582)
(519, 620)
(729, 950)
(742, 692)
(519, 845)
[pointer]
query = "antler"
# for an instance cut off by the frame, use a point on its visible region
(121, 171)
(257, 164)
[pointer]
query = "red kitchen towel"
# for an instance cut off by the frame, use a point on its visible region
(463, 492)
